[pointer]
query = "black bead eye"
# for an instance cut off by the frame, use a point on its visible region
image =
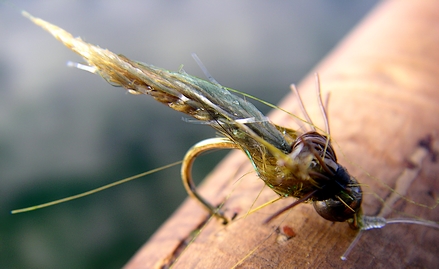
(342, 206)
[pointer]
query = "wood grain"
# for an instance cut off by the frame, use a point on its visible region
(384, 85)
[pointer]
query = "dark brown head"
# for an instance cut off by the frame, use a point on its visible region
(339, 195)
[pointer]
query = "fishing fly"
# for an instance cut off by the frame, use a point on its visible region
(292, 163)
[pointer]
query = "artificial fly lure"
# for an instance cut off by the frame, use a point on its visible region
(292, 163)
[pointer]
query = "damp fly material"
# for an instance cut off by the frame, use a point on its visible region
(303, 166)
(291, 163)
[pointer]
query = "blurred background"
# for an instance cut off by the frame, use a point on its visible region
(64, 131)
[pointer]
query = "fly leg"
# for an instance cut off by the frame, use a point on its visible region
(186, 169)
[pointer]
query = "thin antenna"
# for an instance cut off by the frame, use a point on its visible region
(371, 222)
(344, 257)
(322, 107)
(302, 107)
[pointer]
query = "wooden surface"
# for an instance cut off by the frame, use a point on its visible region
(384, 85)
